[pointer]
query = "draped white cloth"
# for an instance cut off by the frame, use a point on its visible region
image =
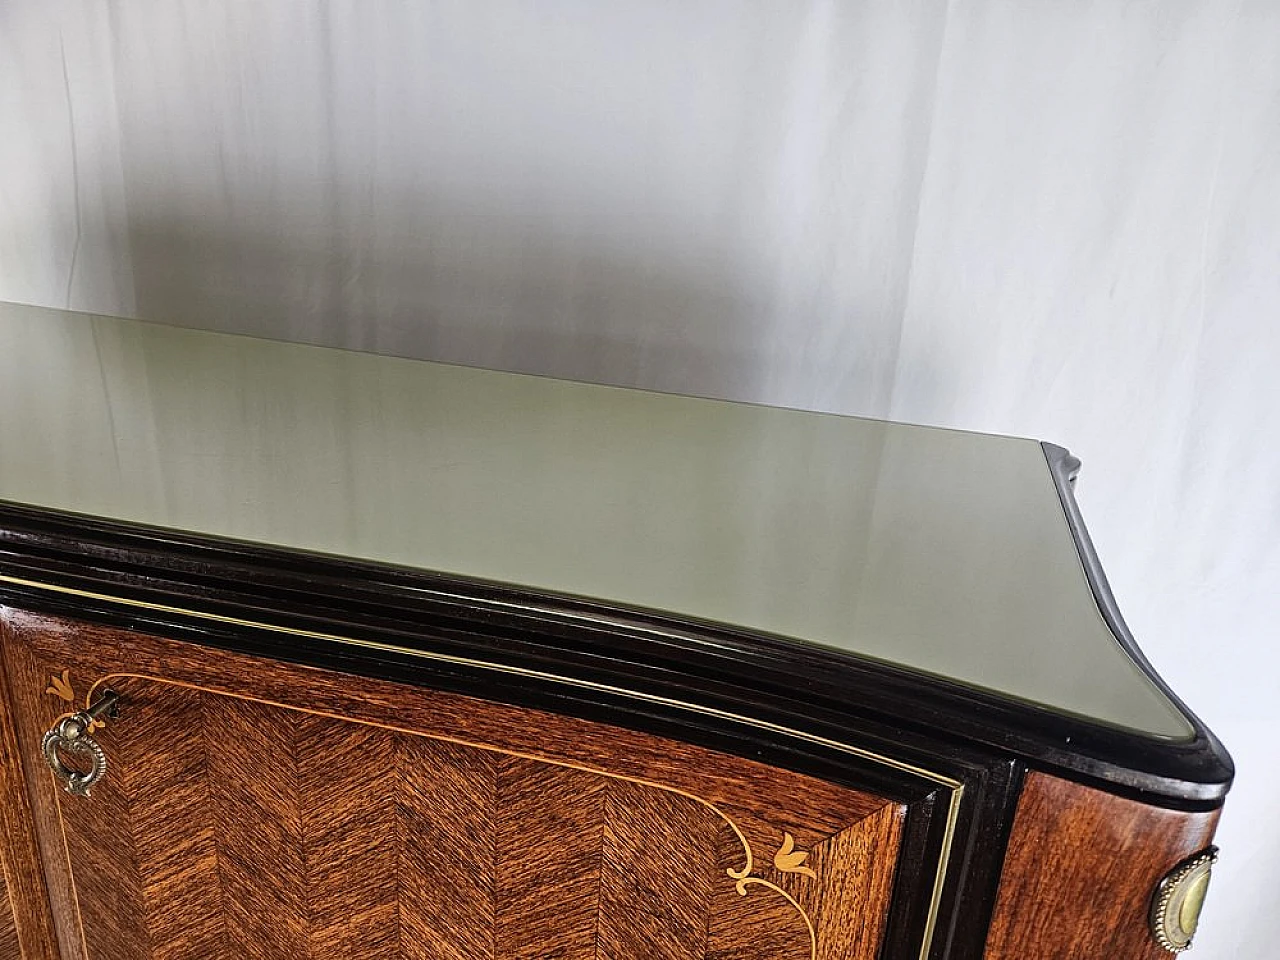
(1059, 220)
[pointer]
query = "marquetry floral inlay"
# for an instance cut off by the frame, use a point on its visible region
(61, 687)
(790, 860)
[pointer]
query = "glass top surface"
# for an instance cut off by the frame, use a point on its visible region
(938, 550)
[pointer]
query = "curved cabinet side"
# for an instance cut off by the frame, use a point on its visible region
(1080, 872)
(1203, 757)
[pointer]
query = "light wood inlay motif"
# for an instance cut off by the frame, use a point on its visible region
(310, 815)
(790, 860)
(60, 687)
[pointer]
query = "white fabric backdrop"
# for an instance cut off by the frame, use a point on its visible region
(1056, 220)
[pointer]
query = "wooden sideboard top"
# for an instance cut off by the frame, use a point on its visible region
(716, 529)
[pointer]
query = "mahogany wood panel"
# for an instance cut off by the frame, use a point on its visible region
(265, 810)
(447, 906)
(659, 848)
(9, 948)
(1080, 871)
(26, 925)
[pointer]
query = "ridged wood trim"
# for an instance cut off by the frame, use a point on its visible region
(1080, 871)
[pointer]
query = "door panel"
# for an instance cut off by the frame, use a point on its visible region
(265, 810)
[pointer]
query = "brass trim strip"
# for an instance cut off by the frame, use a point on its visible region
(955, 786)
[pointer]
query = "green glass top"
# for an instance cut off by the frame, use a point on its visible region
(942, 551)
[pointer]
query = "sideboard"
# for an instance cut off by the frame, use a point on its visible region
(315, 653)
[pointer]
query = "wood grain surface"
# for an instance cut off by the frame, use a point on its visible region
(264, 810)
(1080, 871)
(9, 946)
(26, 925)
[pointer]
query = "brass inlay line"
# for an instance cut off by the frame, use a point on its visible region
(956, 787)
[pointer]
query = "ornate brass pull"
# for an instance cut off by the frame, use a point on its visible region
(1175, 908)
(71, 734)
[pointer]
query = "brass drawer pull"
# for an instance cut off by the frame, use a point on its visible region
(1175, 908)
(71, 735)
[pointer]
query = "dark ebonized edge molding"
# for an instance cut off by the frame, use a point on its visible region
(630, 649)
(245, 598)
(1205, 752)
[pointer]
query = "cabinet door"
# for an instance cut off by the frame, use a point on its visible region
(258, 809)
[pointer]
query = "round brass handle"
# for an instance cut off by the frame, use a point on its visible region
(71, 735)
(1175, 908)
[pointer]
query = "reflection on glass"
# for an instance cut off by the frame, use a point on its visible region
(942, 551)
